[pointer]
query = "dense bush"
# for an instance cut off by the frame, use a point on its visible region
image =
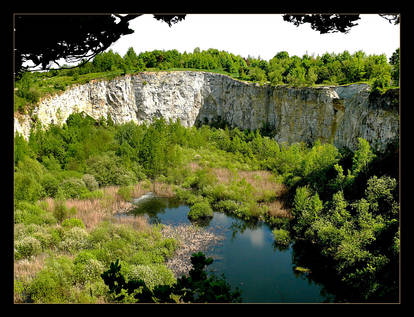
(27, 247)
(73, 222)
(152, 274)
(198, 287)
(74, 239)
(200, 209)
(358, 236)
(52, 284)
(109, 170)
(125, 192)
(30, 213)
(61, 211)
(27, 180)
(90, 182)
(281, 237)
(73, 187)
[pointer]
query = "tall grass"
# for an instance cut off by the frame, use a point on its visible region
(92, 211)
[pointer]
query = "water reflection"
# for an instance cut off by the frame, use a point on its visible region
(248, 256)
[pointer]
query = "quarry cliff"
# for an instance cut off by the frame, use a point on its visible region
(334, 114)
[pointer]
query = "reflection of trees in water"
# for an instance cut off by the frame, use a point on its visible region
(240, 225)
(155, 206)
(280, 247)
(322, 273)
(201, 222)
(151, 207)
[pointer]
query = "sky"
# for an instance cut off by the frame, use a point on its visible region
(257, 35)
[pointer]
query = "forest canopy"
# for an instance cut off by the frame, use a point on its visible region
(283, 69)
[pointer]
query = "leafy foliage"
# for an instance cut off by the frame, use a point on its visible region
(344, 204)
(200, 209)
(198, 287)
(357, 233)
(282, 69)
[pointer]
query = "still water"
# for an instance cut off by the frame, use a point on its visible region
(246, 256)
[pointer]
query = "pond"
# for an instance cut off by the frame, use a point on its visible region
(247, 256)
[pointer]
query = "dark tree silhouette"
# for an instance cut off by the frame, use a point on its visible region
(330, 23)
(324, 23)
(45, 39)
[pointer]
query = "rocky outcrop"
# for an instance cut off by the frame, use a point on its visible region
(333, 114)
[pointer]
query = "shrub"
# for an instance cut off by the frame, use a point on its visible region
(27, 247)
(152, 274)
(27, 187)
(59, 86)
(141, 257)
(83, 257)
(108, 169)
(166, 247)
(61, 212)
(45, 288)
(21, 148)
(282, 237)
(73, 222)
(30, 94)
(57, 234)
(29, 213)
(200, 210)
(380, 83)
(74, 239)
(227, 205)
(51, 163)
(114, 248)
(96, 194)
(53, 283)
(101, 233)
(362, 157)
(73, 187)
(380, 194)
(125, 192)
(45, 238)
(50, 185)
(25, 210)
(197, 287)
(87, 270)
(90, 182)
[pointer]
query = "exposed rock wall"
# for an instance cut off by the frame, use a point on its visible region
(333, 114)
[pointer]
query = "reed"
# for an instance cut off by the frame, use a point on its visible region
(26, 269)
(93, 211)
(277, 209)
(136, 222)
(163, 189)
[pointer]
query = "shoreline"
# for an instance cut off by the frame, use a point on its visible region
(191, 239)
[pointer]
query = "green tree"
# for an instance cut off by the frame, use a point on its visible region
(276, 71)
(395, 63)
(362, 157)
(153, 149)
(296, 76)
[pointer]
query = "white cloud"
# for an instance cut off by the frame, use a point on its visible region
(256, 237)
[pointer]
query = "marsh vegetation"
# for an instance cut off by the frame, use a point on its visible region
(70, 181)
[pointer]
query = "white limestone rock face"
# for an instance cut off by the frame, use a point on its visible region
(338, 115)
(375, 119)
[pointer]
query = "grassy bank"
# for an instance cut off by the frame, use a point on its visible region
(62, 247)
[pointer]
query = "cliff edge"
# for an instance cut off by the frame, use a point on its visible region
(335, 114)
